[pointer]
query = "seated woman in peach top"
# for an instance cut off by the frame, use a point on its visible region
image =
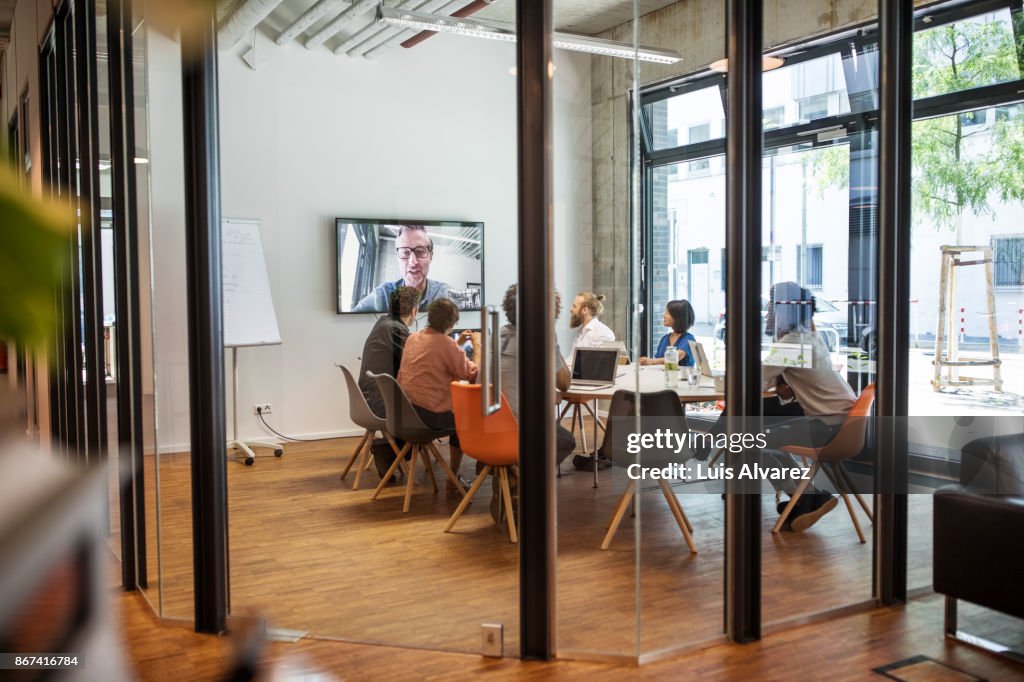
(431, 361)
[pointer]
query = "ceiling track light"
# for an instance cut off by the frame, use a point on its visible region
(494, 30)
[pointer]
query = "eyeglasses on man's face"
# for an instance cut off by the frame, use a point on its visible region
(421, 252)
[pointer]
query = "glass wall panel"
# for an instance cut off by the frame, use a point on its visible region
(965, 346)
(149, 566)
(682, 590)
(817, 273)
(106, 227)
(374, 168)
(596, 256)
(161, 207)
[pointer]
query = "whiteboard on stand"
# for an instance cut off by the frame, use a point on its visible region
(249, 318)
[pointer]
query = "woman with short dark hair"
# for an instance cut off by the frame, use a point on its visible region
(679, 317)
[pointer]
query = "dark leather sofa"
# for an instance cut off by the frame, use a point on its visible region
(979, 534)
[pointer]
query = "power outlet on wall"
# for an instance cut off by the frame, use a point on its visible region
(492, 640)
(261, 408)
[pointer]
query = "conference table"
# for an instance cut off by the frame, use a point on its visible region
(640, 379)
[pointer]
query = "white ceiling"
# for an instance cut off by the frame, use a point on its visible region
(362, 35)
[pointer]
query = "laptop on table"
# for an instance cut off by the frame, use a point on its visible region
(700, 358)
(594, 368)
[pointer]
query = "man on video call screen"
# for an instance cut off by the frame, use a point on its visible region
(415, 251)
(369, 264)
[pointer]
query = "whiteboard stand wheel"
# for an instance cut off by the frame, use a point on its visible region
(278, 452)
(249, 461)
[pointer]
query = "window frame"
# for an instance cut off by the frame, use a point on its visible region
(863, 38)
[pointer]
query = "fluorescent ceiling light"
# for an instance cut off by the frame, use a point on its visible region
(767, 64)
(495, 30)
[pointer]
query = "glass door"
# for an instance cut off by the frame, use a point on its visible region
(383, 237)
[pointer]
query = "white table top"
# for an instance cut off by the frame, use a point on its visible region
(647, 379)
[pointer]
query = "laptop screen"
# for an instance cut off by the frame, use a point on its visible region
(595, 364)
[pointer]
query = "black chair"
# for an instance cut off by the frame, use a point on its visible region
(404, 423)
(660, 404)
(976, 558)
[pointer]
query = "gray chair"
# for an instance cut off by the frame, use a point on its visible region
(360, 413)
(660, 404)
(404, 423)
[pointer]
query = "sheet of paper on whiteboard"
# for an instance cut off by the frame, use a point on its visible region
(249, 318)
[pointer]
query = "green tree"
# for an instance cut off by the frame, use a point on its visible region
(951, 178)
(951, 174)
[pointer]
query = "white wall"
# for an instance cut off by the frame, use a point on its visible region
(425, 133)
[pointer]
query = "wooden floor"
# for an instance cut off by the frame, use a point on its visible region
(840, 650)
(311, 555)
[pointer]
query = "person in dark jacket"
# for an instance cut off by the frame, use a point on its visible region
(382, 354)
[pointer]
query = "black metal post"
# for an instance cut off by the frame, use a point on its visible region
(71, 378)
(205, 321)
(95, 386)
(129, 379)
(537, 549)
(743, 301)
(895, 118)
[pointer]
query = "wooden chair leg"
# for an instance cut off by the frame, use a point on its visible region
(364, 462)
(429, 467)
(561, 415)
(849, 484)
(853, 517)
(836, 477)
(578, 413)
(678, 505)
(507, 495)
(677, 511)
(447, 469)
(620, 511)
(355, 455)
(408, 481)
(391, 470)
(572, 425)
(796, 496)
(464, 504)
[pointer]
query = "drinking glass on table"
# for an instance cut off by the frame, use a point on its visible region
(693, 376)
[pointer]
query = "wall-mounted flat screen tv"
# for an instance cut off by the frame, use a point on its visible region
(443, 259)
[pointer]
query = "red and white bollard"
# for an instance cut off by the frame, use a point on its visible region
(962, 324)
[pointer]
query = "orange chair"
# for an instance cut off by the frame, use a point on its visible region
(492, 440)
(846, 444)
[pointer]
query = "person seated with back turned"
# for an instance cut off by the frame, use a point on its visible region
(432, 360)
(590, 331)
(382, 354)
(679, 316)
(415, 252)
(817, 396)
(564, 441)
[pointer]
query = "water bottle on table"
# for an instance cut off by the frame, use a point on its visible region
(671, 367)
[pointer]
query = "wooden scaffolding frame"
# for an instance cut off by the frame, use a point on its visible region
(947, 342)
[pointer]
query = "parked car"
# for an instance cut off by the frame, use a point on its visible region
(829, 321)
